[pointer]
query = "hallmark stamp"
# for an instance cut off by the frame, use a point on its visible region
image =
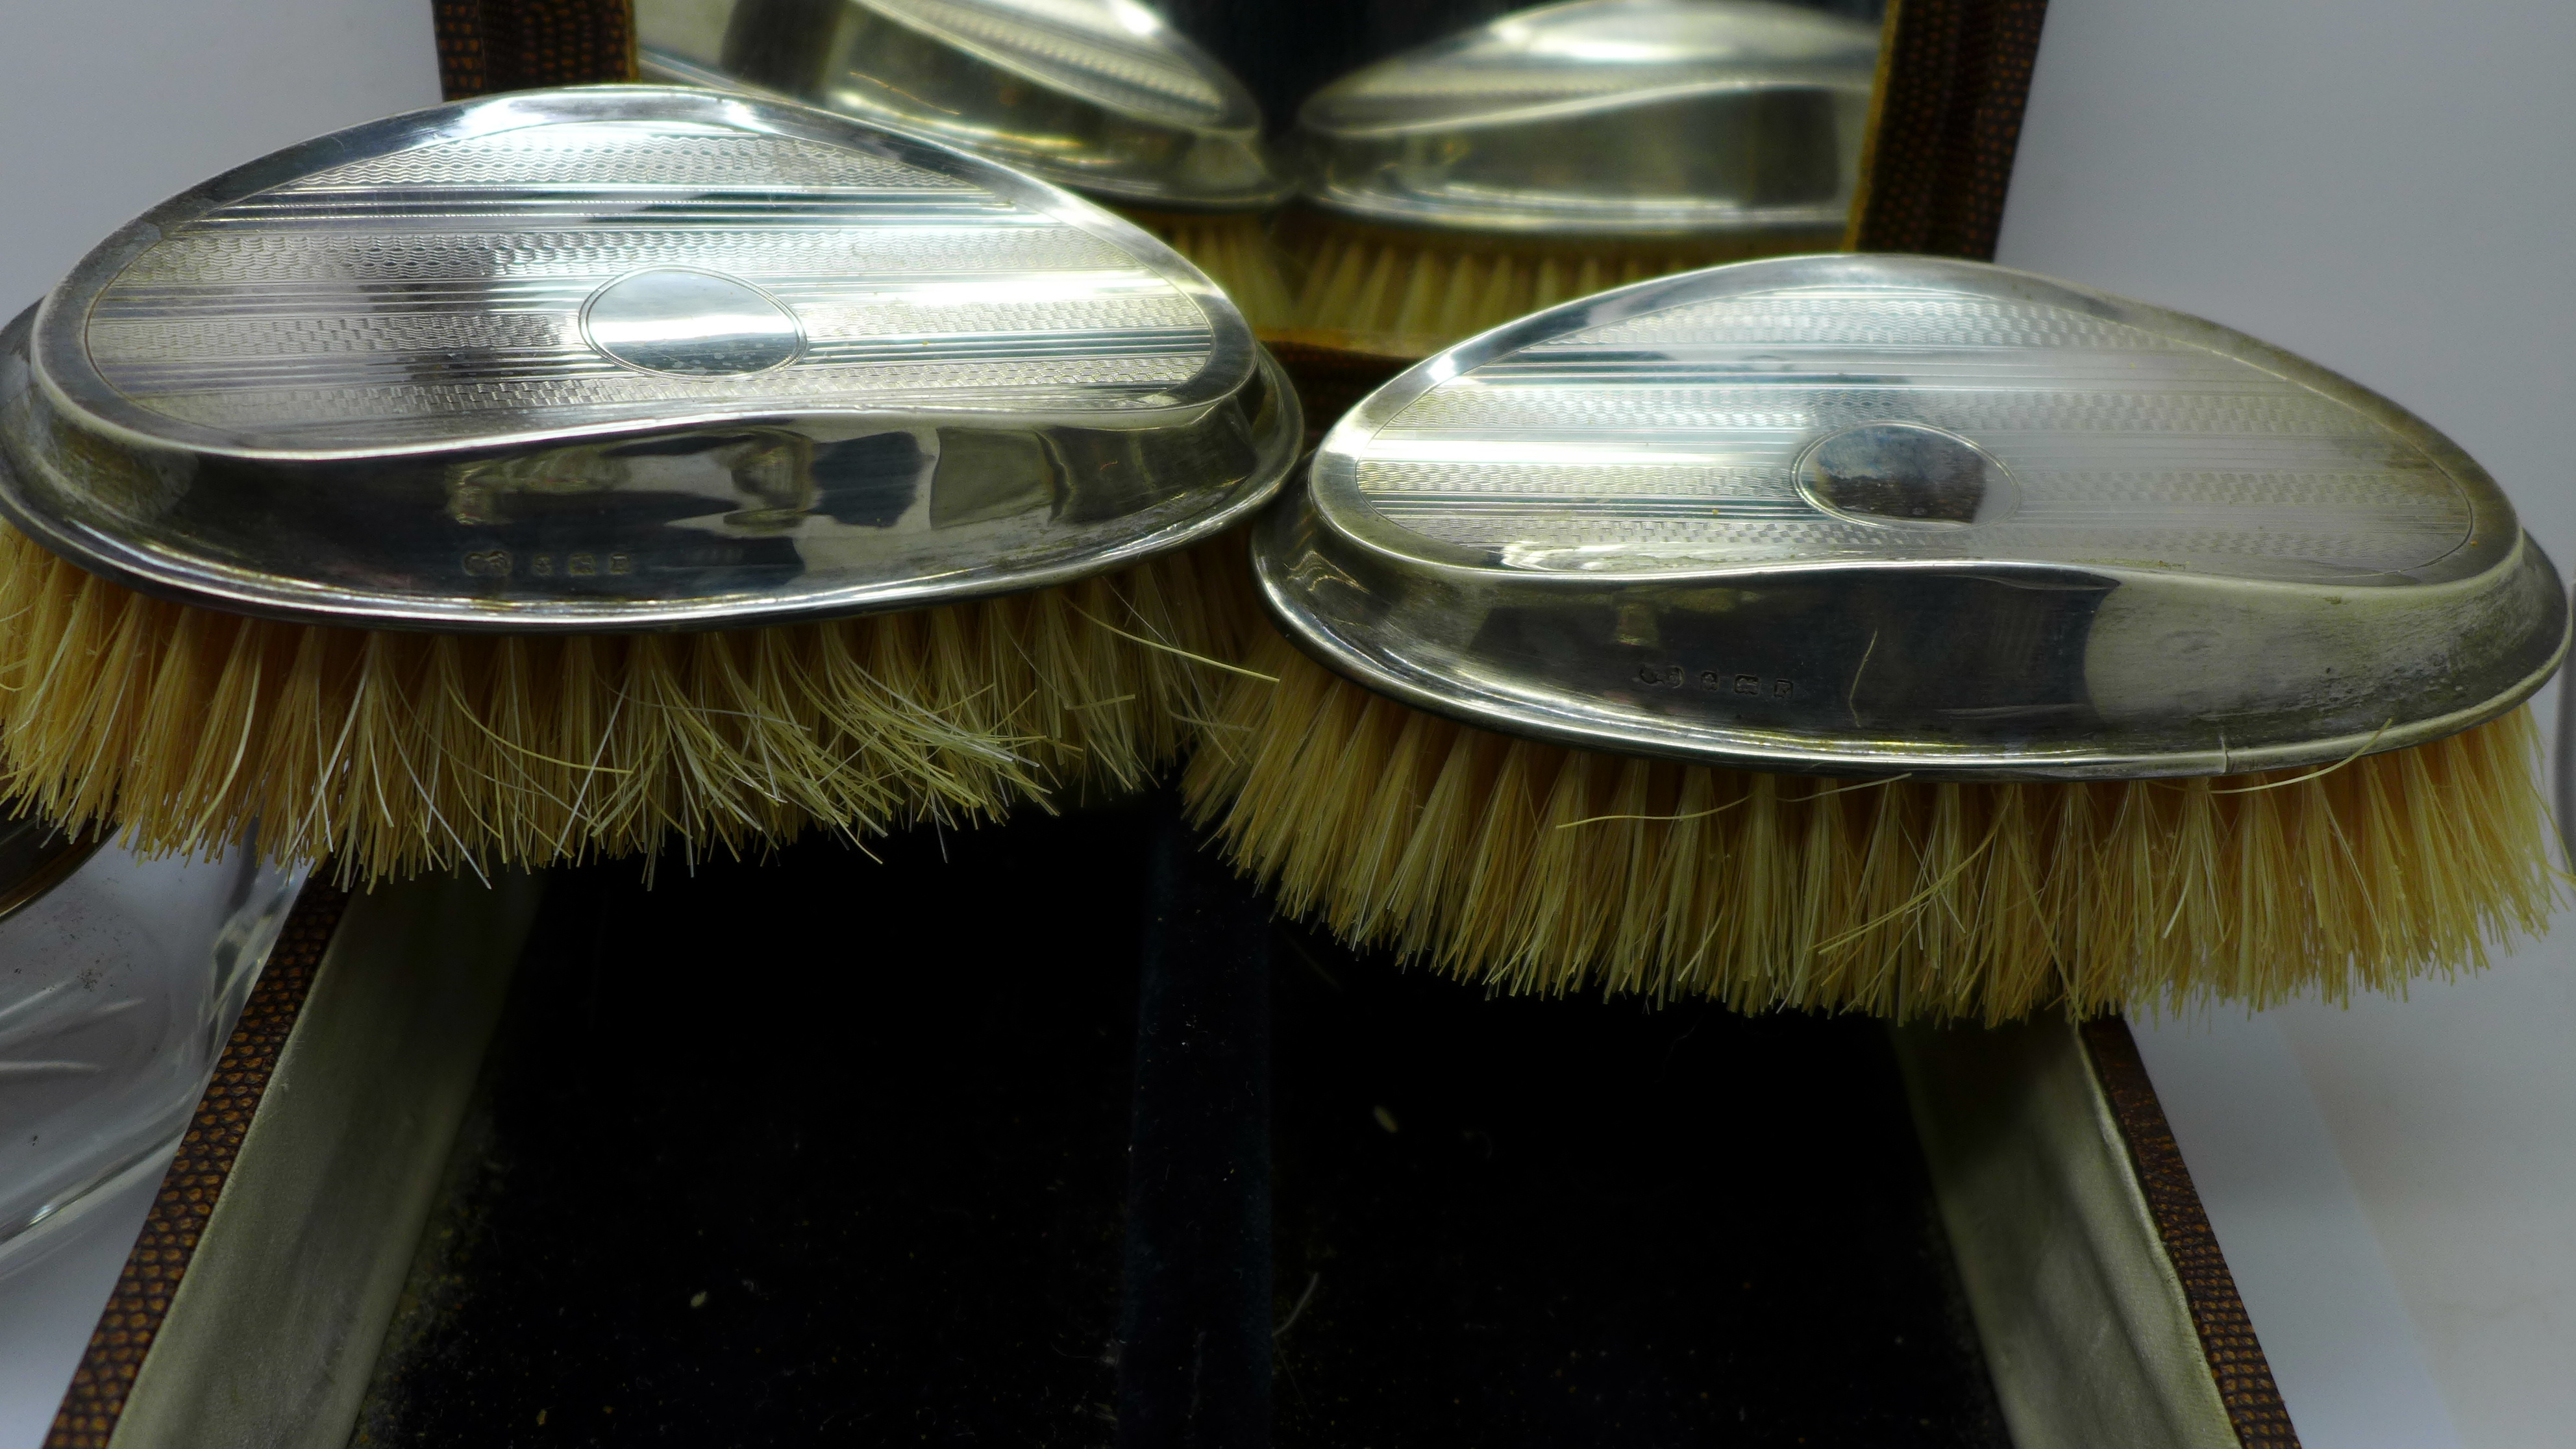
(1716, 681)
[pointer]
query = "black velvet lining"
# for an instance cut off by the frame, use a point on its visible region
(834, 1151)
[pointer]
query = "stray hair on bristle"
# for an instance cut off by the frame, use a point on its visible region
(394, 753)
(1531, 867)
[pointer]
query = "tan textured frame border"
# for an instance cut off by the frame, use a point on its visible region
(1953, 80)
(2108, 1313)
(254, 1300)
(2227, 1339)
(515, 45)
(96, 1398)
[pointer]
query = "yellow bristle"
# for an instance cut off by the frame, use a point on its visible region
(1420, 891)
(2342, 918)
(1308, 858)
(397, 753)
(2123, 929)
(2192, 930)
(2255, 850)
(1691, 842)
(1750, 898)
(1409, 292)
(1578, 837)
(1643, 879)
(2068, 894)
(1491, 921)
(2012, 957)
(528, 787)
(1234, 249)
(1524, 866)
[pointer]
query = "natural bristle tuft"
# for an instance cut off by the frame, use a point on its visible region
(1234, 249)
(1390, 289)
(1538, 868)
(401, 752)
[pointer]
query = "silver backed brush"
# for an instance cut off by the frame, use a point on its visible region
(1648, 118)
(627, 357)
(1871, 514)
(1098, 95)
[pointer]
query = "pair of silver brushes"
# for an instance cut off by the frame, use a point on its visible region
(580, 473)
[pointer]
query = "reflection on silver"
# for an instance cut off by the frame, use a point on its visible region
(35, 855)
(627, 357)
(699, 324)
(1098, 95)
(1858, 514)
(1643, 117)
(1905, 474)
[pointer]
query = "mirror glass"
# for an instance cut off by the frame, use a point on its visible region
(1372, 177)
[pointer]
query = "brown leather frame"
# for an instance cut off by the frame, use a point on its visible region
(196, 1177)
(516, 45)
(1952, 83)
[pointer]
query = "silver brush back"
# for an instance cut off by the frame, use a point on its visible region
(627, 357)
(1875, 514)
(1638, 118)
(1101, 96)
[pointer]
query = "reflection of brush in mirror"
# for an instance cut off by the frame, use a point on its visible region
(416, 491)
(1099, 96)
(1558, 151)
(1588, 604)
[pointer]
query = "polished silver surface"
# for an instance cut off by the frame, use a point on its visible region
(35, 856)
(1865, 514)
(627, 357)
(691, 323)
(1098, 95)
(1633, 117)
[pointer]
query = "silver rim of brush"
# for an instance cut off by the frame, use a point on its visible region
(626, 357)
(1100, 96)
(1644, 118)
(1873, 514)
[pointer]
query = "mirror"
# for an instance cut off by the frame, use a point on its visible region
(1558, 150)
(1370, 180)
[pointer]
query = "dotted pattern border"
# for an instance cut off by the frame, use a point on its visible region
(1957, 77)
(2235, 1356)
(515, 45)
(161, 1255)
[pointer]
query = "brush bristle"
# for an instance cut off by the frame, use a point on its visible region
(1413, 293)
(401, 752)
(1537, 868)
(1236, 252)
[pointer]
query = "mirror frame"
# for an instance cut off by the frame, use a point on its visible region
(1954, 76)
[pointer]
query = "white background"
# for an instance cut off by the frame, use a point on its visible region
(2388, 187)
(2383, 186)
